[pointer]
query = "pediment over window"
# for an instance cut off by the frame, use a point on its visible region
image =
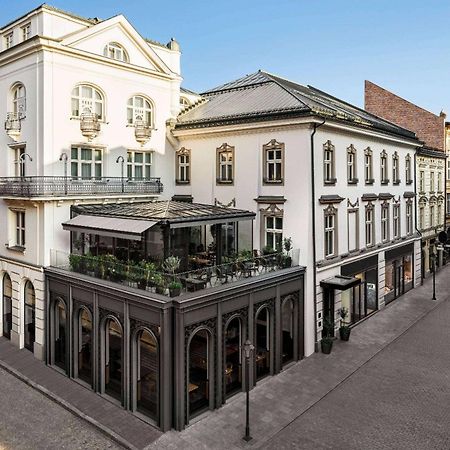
(329, 199)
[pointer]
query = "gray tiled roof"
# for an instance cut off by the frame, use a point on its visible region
(265, 96)
(167, 211)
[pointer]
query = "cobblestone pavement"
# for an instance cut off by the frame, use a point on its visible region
(388, 388)
(29, 420)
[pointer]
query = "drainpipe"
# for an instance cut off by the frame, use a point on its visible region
(313, 197)
(415, 215)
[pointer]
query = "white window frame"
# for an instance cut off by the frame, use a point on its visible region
(133, 166)
(19, 99)
(421, 216)
(184, 103)
(439, 214)
(408, 168)
(140, 109)
(91, 104)
(183, 166)
(328, 163)
(78, 163)
(351, 164)
(26, 31)
(225, 164)
(115, 51)
(409, 218)
(9, 40)
(395, 168)
(368, 165)
(274, 231)
(369, 225)
(274, 162)
(384, 167)
(439, 182)
(385, 222)
(432, 216)
(396, 220)
(432, 180)
(421, 181)
(19, 228)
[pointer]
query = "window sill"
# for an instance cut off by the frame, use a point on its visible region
(396, 182)
(79, 118)
(370, 181)
(267, 181)
(182, 181)
(330, 182)
(409, 181)
(353, 181)
(226, 182)
(384, 181)
(16, 248)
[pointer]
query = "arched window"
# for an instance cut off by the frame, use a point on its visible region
(30, 316)
(114, 50)
(233, 357)
(19, 100)
(184, 103)
(113, 359)
(139, 109)
(60, 334)
(87, 99)
(199, 372)
(7, 306)
(287, 325)
(147, 374)
(262, 339)
(85, 346)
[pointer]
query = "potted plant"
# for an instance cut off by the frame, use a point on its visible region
(160, 285)
(286, 260)
(149, 269)
(174, 288)
(76, 263)
(344, 329)
(171, 264)
(326, 343)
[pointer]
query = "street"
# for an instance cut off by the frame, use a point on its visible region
(29, 420)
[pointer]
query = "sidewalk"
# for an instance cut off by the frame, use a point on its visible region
(278, 401)
(120, 425)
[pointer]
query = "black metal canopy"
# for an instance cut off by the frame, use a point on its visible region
(340, 282)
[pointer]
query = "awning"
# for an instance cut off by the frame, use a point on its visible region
(340, 282)
(109, 226)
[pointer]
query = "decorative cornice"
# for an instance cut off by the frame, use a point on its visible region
(409, 194)
(385, 196)
(352, 205)
(369, 197)
(231, 203)
(329, 199)
(270, 199)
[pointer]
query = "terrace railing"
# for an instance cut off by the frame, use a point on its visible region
(57, 186)
(147, 277)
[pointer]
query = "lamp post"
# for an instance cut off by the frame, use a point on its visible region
(433, 259)
(248, 350)
(121, 159)
(64, 157)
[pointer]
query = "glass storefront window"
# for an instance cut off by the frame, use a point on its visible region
(262, 353)
(113, 359)
(398, 277)
(233, 357)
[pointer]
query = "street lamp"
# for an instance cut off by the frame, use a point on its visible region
(64, 158)
(433, 259)
(248, 350)
(121, 159)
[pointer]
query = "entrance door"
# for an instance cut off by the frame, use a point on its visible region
(399, 281)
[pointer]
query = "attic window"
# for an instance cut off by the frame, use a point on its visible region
(114, 50)
(184, 103)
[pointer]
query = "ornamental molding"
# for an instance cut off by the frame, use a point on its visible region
(225, 205)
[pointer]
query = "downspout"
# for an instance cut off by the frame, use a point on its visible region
(313, 197)
(415, 215)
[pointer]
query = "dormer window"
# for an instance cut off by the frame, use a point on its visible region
(9, 40)
(184, 103)
(115, 51)
(139, 109)
(19, 100)
(26, 31)
(87, 100)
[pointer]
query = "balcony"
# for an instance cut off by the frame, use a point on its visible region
(142, 131)
(59, 186)
(13, 125)
(89, 125)
(155, 278)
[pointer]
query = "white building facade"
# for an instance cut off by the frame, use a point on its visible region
(335, 179)
(85, 107)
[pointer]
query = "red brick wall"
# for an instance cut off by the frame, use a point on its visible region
(428, 127)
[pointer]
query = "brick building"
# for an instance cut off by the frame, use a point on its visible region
(430, 163)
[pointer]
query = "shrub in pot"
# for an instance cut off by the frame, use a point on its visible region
(175, 288)
(160, 285)
(287, 259)
(344, 329)
(326, 343)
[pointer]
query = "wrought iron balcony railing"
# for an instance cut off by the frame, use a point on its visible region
(48, 186)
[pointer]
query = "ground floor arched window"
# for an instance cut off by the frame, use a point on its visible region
(60, 334)
(198, 382)
(30, 316)
(147, 389)
(85, 346)
(233, 357)
(287, 328)
(7, 306)
(113, 370)
(262, 339)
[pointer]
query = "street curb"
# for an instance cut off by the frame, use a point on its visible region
(66, 405)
